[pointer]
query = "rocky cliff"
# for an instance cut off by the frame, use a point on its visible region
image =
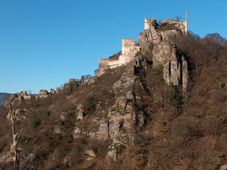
(160, 39)
(159, 110)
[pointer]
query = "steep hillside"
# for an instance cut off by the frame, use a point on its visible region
(166, 108)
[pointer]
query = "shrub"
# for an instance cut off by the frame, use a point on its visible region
(36, 123)
(90, 105)
(213, 124)
(154, 23)
(181, 129)
(174, 96)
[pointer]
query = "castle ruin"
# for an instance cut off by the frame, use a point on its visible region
(181, 25)
(128, 52)
(130, 48)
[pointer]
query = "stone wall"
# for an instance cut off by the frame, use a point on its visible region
(181, 25)
(129, 50)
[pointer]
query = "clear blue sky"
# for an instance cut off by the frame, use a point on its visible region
(43, 43)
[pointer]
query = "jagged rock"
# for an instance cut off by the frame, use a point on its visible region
(128, 122)
(91, 154)
(168, 35)
(112, 152)
(129, 108)
(98, 106)
(130, 96)
(224, 167)
(121, 103)
(119, 127)
(77, 133)
(103, 132)
(63, 116)
(52, 91)
(17, 112)
(175, 71)
(161, 53)
(80, 112)
(57, 128)
(123, 84)
(140, 119)
(175, 67)
(155, 38)
(185, 75)
(115, 123)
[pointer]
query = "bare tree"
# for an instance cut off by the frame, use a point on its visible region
(15, 137)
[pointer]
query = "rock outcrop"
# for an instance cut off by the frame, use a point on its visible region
(164, 52)
(161, 39)
(128, 117)
(175, 70)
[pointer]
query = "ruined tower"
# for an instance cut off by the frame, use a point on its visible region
(185, 23)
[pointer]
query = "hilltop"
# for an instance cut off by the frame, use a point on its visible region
(160, 103)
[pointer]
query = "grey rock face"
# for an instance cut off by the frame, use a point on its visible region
(76, 133)
(115, 123)
(112, 152)
(124, 83)
(80, 112)
(175, 70)
(57, 128)
(175, 66)
(103, 132)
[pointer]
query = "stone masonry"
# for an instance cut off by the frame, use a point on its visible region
(129, 50)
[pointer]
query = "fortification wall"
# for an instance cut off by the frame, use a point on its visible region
(181, 25)
(129, 50)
